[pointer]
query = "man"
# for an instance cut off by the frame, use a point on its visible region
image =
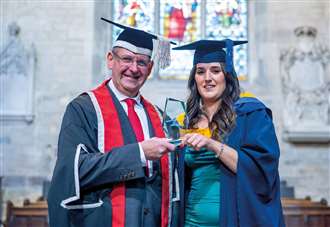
(114, 166)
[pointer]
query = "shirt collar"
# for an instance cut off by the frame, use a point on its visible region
(121, 97)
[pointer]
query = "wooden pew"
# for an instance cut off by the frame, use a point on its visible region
(305, 213)
(297, 213)
(40, 203)
(29, 215)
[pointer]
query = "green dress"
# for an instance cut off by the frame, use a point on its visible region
(202, 206)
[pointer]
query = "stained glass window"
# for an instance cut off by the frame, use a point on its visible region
(134, 13)
(185, 21)
(228, 19)
(180, 22)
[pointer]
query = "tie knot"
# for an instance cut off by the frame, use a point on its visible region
(130, 102)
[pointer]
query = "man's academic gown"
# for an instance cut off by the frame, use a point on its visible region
(251, 197)
(86, 172)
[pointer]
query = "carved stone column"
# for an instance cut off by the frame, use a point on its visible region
(305, 87)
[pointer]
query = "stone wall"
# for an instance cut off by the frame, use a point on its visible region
(304, 166)
(70, 45)
(62, 34)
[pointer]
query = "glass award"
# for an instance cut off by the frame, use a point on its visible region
(173, 108)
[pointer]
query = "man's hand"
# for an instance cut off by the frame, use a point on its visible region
(155, 147)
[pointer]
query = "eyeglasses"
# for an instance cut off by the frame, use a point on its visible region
(129, 60)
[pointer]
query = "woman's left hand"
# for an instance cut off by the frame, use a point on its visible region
(195, 140)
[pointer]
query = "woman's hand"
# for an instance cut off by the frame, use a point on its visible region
(226, 154)
(196, 140)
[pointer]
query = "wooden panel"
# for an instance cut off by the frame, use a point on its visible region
(294, 220)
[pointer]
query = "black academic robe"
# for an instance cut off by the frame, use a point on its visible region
(251, 197)
(84, 176)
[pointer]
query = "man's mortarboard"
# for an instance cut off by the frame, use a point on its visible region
(207, 51)
(141, 42)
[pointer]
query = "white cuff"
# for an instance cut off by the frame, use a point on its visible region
(142, 156)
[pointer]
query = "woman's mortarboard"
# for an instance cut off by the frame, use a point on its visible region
(142, 42)
(207, 51)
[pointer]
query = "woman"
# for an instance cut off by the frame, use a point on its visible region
(232, 152)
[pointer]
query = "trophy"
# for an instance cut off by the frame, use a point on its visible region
(173, 108)
(173, 130)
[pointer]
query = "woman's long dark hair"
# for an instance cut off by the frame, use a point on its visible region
(224, 119)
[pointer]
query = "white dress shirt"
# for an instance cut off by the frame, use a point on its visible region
(142, 116)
